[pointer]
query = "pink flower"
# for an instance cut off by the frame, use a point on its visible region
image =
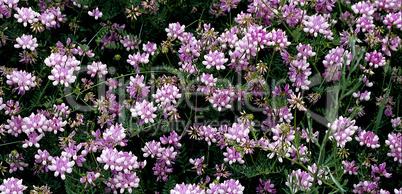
(22, 80)
(375, 59)
(95, 13)
(317, 24)
(26, 15)
(232, 156)
(97, 68)
(394, 142)
(26, 42)
(349, 167)
(145, 110)
(61, 165)
(341, 130)
(175, 30)
(12, 185)
(137, 88)
(216, 59)
(367, 138)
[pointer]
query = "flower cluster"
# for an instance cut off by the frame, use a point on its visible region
(317, 24)
(367, 138)
(97, 68)
(23, 81)
(394, 142)
(12, 185)
(341, 130)
(26, 42)
(137, 88)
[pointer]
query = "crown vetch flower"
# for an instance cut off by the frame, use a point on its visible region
(341, 130)
(12, 185)
(26, 42)
(187, 188)
(130, 42)
(349, 167)
(216, 59)
(334, 62)
(145, 110)
(317, 24)
(122, 181)
(137, 88)
(394, 142)
(299, 73)
(115, 135)
(95, 13)
(232, 156)
(16, 161)
(381, 170)
(137, 59)
(375, 59)
(90, 178)
(175, 30)
(365, 8)
(300, 180)
(26, 15)
(228, 186)
(197, 162)
(367, 138)
(97, 68)
(23, 81)
(61, 165)
(265, 187)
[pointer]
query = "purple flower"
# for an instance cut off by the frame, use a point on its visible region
(149, 48)
(166, 96)
(90, 178)
(365, 24)
(153, 149)
(232, 156)
(221, 172)
(123, 181)
(265, 187)
(317, 24)
(375, 59)
(97, 68)
(207, 79)
(238, 133)
(300, 180)
(278, 39)
(95, 13)
(130, 42)
(137, 88)
(394, 142)
(334, 62)
(137, 59)
(14, 125)
(115, 135)
(367, 138)
(299, 73)
(16, 161)
(33, 139)
(222, 98)
(26, 42)
(22, 80)
(197, 162)
(12, 185)
(365, 187)
(173, 139)
(62, 75)
(44, 159)
(52, 17)
(305, 51)
(187, 188)
(292, 15)
(61, 165)
(381, 170)
(365, 8)
(145, 110)
(349, 167)
(341, 130)
(393, 19)
(26, 15)
(396, 122)
(228, 186)
(175, 30)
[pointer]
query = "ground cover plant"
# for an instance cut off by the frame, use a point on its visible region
(194, 96)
